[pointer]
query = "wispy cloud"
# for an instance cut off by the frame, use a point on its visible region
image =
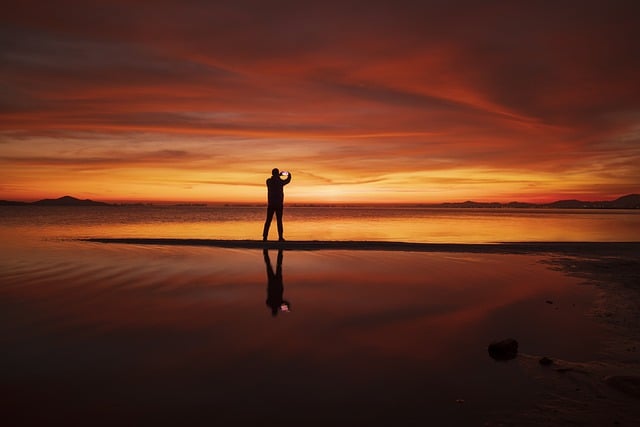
(352, 94)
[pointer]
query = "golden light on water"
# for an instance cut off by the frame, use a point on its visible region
(325, 223)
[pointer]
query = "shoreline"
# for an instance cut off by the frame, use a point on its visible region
(567, 248)
(604, 391)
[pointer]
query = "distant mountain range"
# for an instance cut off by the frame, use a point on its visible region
(630, 201)
(62, 201)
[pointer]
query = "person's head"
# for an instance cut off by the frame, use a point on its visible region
(275, 172)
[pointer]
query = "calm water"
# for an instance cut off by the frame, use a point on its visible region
(323, 223)
(108, 334)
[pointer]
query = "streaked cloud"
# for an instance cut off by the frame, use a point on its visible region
(415, 100)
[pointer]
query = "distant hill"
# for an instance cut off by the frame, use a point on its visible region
(630, 201)
(470, 204)
(68, 201)
(568, 204)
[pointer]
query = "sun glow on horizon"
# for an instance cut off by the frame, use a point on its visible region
(451, 185)
(422, 112)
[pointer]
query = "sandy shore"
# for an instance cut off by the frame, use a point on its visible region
(605, 391)
(601, 392)
(575, 248)
(598, 392)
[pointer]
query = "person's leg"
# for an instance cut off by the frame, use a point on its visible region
(279, 264)
(267, 223)
(279, 220)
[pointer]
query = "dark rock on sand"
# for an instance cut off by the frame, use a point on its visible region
(545, 361)
(503, 350)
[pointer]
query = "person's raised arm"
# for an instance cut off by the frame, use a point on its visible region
(288, 180)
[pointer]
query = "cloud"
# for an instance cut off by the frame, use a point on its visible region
(110, 160)
(350, 92)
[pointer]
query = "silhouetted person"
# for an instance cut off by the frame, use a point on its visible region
(275, 199)
(275, 289)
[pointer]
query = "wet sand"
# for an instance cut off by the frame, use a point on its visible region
(177, 332)
(604, 390)
(578, 248)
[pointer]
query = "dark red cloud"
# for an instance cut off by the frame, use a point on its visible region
(424, 85)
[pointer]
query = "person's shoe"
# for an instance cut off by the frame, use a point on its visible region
(264, 238)
(281, 239)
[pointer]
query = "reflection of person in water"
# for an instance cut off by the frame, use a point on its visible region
(275, 289)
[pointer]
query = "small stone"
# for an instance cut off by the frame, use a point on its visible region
(503, 350)
(545, 361)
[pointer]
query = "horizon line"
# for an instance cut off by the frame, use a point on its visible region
(307, 203)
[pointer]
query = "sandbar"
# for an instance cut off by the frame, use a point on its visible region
(569, 248)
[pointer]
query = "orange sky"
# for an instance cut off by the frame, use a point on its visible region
(364, 101)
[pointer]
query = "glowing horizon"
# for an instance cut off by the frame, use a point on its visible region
(405, 102)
